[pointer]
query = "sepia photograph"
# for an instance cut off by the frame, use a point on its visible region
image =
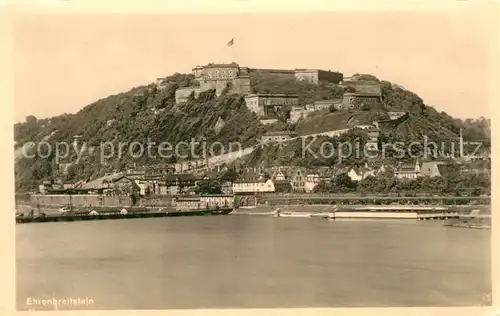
(252, 160)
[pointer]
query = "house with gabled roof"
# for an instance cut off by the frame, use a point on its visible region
(431, 169)
(104, 182)
(74, 184)
(294, 175)
(253, 180)
(312, 180)
(408, 171)
(355, 174)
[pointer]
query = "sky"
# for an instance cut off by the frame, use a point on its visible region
(63, 62)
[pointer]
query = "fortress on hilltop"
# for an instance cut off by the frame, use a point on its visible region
(237, 79)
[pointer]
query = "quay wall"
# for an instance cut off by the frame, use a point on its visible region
(22, 198)
(98, 200)
(163, 201)
(78, 200)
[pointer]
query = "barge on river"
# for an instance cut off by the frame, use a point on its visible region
(117, 213)
(396, 212)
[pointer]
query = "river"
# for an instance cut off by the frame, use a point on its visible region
(251, 261)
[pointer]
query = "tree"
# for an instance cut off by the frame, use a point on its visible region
(31, 119)
(71, 173)
(208, 187)
(321, 187)
(372, 184)
(343, 183)
(365, 107)
(367, 77)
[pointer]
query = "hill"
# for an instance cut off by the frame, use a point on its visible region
(143, 114)
(148, 114)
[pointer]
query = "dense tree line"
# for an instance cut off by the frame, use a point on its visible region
(452, 184)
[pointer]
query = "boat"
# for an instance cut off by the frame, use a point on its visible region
(293, 214)
(402, 214)
(395, 212)
(380, 211)
(242, 212)
(323, 215)
(113, 214)
(65, 209)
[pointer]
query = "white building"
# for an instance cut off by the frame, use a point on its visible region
(253, 186)
(355, 175)
(312, 180)
(408, 171)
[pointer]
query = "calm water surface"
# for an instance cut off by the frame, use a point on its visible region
(252, 261)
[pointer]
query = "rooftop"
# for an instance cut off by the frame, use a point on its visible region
(181, 177)
(306, 70)
(273, 95)
(282, 182)
(360, 94)
(99, 182)
(279, 133)
(184, 199)
(357, 81)
(275, 70)
(327, 101)
(217, 65)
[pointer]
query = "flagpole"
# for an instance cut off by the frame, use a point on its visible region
(230, 44)
(232, 54)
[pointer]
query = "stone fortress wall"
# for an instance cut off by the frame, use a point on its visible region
(268, 104)
(317, 75)
(80, 200)
(363, 86)
(217, 77)
(355, 100)
(237, 79)
(95, 200)
(182, 94)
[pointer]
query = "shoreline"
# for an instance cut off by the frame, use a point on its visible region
(107, 215)
(322, 211)
(452, 219)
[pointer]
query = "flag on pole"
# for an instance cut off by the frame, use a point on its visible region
(231, 42)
